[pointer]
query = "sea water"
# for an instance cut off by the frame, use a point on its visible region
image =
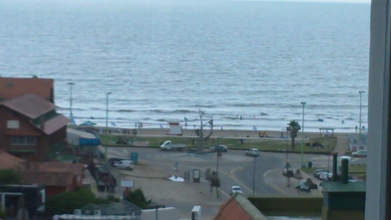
(244, 64)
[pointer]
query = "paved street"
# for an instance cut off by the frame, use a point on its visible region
(234, 168)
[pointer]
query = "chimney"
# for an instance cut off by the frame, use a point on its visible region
(335, 155)
(344, 171)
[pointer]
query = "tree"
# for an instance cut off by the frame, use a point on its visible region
(294, 127)
(137, 197)
(67, 202)
(8, 176)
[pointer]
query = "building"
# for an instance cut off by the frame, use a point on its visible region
(30, 127)
(22, 201)
(11, 162)
(56, 177)
(238, 207)
(13, 87)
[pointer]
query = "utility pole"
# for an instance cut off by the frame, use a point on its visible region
(201, 132)
(359, 128)
(302, 135)
(70, 100)
(255, 156)
(107, 119)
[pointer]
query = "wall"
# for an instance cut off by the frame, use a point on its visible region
(169, 213)
(292, 206)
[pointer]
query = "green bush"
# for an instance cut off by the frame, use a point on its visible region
(8, 176)
(67, 202)
(137, 197)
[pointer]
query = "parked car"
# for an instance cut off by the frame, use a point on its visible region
(306, 185)
(325, 175)
(252, 152)
(360, 153)
(236, 189)
(113, 160)
(219, 148)
(124, 164)
(345, 157)
(317, 172)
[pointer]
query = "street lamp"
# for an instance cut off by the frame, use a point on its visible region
(107, 118)
(302, 134)
(217, 163)
(359, 128)
(70, 101)
(255, 156)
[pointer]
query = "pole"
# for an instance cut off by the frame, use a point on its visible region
(302, 135)
(107, 119)
(254, 175)
(359, 128)
(217, 164)
(70, 100)
(201, 132)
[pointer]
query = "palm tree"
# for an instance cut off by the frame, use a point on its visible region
(294, 127)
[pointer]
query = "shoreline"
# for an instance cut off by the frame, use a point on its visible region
(217, 133)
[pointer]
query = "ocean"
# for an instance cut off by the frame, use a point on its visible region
(244, 64)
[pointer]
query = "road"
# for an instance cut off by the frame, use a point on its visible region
(234, 168)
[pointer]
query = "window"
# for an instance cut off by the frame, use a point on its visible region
(22, 140)
(13, 124)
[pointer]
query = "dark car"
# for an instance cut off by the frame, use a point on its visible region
(219, 148)
(306, 185)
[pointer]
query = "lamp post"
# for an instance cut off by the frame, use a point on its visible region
(359, 128)
(217, 163)
(255, 156)
(107, 119)
(302, 134)
(70, 100)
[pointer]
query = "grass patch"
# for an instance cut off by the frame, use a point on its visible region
(263, 144)
(358, 169)
(309, 170)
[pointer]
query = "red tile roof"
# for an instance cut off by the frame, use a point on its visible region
(47, 178)
(29, 105)
(238, 207)
(74, 168)
(54, 124)
(8, 161)
(13, 87)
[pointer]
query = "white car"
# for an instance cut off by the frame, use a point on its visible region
(124, 164)
(325, 175)
(253, 152)
(236, 189)
(360, 153)
(345, 157)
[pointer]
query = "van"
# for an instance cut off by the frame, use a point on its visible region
(124, 164)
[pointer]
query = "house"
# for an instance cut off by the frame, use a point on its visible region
(75, 169)
(30, 127)
(56, 177)
(11, 162)
(238, 207)
(13, 87)
(54, 182)
(18, 198)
